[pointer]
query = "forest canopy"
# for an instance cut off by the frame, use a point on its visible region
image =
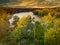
(27, 31)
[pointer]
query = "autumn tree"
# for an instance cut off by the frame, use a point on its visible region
(22, 31)
(52, 35)
(4, 23)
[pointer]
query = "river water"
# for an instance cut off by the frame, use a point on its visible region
(24, 14)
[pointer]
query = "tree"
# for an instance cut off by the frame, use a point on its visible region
(15, 20)
(51, 37)
(40, 13)
(21, 31)
(39, 31)
(4, 23)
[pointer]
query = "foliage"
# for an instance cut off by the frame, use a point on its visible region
(15, 20)
(46, 31)
(4, 23)
(24, 22)
(21, 33)
(39, 31)
(40, 12)
(51, 37)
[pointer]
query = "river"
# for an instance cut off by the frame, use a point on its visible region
(24, 14)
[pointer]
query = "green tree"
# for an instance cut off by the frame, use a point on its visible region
(51, 37)
(39, 31)
(21, 31)
(15, 20)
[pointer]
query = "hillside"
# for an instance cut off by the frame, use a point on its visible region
(30, 26)
(30, 3)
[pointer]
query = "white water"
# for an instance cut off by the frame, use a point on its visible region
(23, 14)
